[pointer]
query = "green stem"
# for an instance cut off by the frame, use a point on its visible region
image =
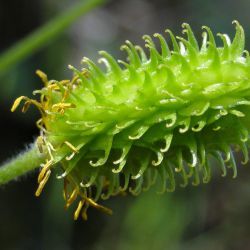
(18, 166)
(45, 34)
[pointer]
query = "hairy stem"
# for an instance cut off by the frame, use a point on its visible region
(21, 164)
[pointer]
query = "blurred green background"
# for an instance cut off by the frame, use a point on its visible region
(212, 216)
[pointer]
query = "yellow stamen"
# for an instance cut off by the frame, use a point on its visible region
(44, 170)
(43, 77)
(26, 104)
(53, 86)
(73, 148)
(99, 207)
(17, 102)
(60, 107)
(63, 106)
(78, 210)
(42, 183)
(72, 198)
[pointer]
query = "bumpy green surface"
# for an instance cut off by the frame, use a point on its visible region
(158, 119)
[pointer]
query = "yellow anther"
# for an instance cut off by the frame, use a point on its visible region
(42, 183)
(72, 198)
(26, 104)
(73, 148)
(78, 210)
(17, 102)
(63, 105)
(43, 77)
(60, 107)
(53, 86)
(44, 170)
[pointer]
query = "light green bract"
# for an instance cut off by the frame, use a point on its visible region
(157, 119)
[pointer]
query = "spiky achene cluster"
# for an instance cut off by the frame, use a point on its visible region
(157, 119)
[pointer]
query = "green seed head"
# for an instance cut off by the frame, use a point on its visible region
(155, 120)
